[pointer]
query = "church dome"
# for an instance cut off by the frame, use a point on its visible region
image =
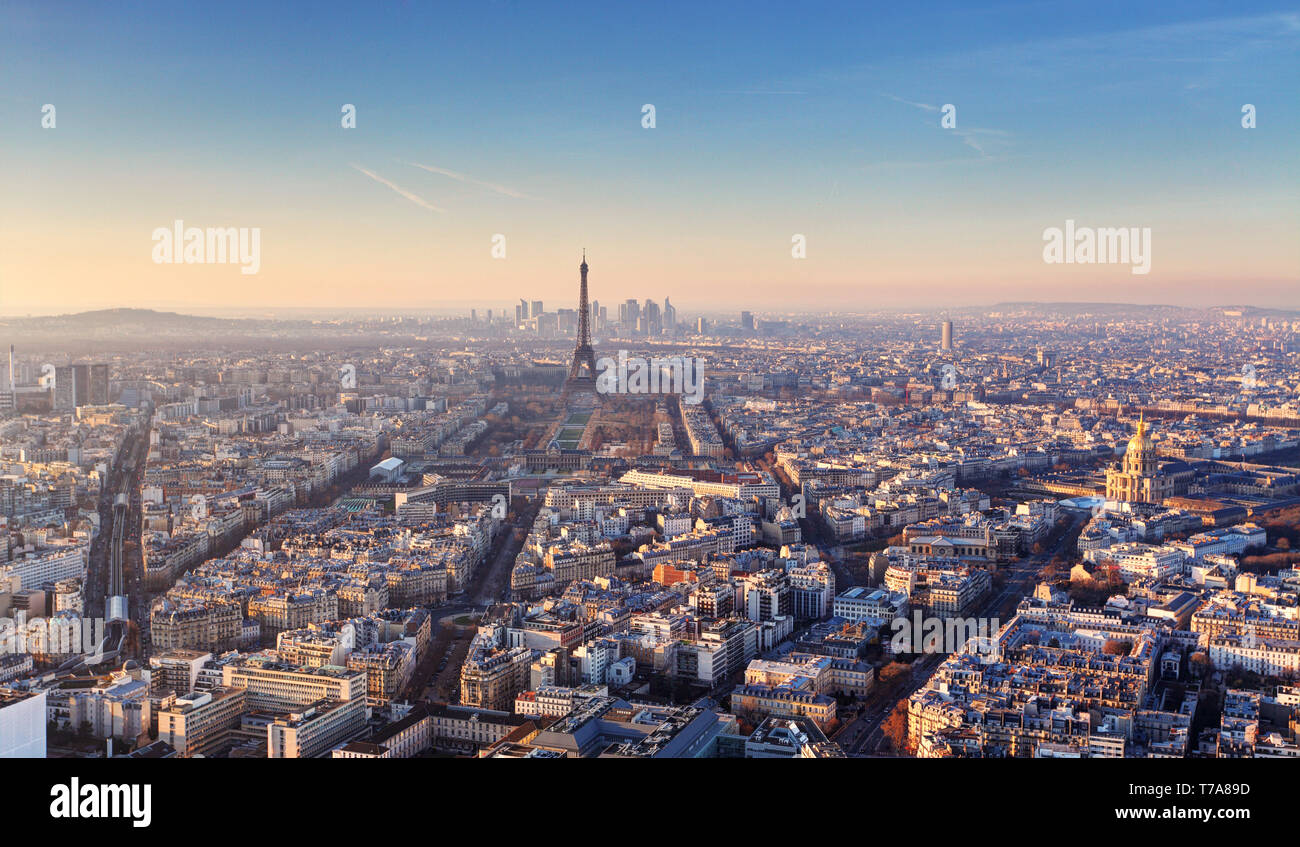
(1141, 444)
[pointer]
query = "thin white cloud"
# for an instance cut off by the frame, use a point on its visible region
(975, 138)
(979, 139)
(756, 91)
(926, 106)
(964, 161)
(460, 177)
(414, 198)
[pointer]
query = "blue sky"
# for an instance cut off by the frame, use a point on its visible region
(771, 120)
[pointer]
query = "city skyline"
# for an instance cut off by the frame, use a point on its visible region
(832, 132)
(776, 539)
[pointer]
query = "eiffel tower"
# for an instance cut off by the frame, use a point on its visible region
(582, 373)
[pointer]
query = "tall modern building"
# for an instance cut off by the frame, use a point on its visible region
(747, 320)
(650, 311)
(80, 385)
(13, 386)
(99, 385)
(628, 313)
(65, 388)
(71, 387)
(945, 339)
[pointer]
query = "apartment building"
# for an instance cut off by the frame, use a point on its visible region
(491, 677)
(863, 603)
(277, 686)
(213, 626)
(401, 739)
(316, 729)
(276, 613)
(388, 669)
(784, 701)
(57, 559)
(202, 723)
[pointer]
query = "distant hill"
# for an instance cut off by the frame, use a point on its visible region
(127, 329)
(112, 318)
(1085, 308)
